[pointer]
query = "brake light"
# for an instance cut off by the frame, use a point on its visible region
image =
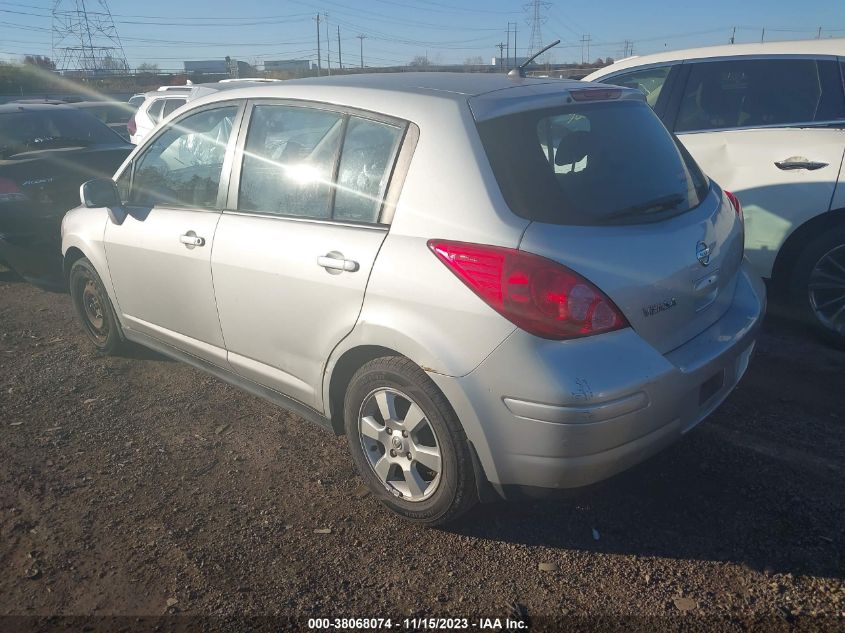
(534, 293)
(10, 192)
(595, 94)
(131, 126)
(736, 204)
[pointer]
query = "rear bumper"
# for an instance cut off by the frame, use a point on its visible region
(558, 415)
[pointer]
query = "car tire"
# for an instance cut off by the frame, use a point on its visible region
(94, 308)
(416, 461)
(817, 286)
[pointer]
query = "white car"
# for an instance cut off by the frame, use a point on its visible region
(767, 122)
(157, 106)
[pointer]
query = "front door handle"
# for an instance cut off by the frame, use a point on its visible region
(191, 239)
(798, 162)
(335, 263)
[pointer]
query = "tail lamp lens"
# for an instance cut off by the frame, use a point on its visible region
(536, 294)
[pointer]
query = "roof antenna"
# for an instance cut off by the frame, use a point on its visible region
(519, 72)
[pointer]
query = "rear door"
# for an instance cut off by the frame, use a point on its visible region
(159, 257)
(298, 238)
(771, 131)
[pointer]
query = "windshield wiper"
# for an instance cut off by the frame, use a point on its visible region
(663, 203)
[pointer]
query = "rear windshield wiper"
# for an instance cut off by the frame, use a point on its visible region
(663, 203)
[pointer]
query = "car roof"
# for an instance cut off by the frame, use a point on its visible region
(823, 47)
(416, 97)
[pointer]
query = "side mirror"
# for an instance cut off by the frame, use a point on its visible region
(101, 192)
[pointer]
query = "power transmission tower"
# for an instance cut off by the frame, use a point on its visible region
(585, 39)
(85, 37)
(536, 18)
(362, 37)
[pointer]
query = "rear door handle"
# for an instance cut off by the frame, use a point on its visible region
(334, 261)
(798, 162)
(192, 239)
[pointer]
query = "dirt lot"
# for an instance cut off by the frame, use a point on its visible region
(139, 486)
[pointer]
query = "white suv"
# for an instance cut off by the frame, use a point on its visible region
(766, 122)
(157, 106)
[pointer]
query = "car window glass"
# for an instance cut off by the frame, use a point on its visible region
(170, 105)
(592, 163)
(123, 184)
(182, 166)
(365, 162)
(289, 161)
(649, 81)
(154, 111)
(746, 93)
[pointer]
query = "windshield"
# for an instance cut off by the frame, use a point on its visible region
(29, 130)
(592, 163)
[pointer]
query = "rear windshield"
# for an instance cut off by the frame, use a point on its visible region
(45, 128)
(596, 163)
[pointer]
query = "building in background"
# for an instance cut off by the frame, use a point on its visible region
(288, 65)
(228, 67)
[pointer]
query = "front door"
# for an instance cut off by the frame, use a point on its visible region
(159, 257)
(293, 254)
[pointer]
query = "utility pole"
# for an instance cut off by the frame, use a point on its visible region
(501, 47)
(319, 62)
(508, 48)
(514, 46)
(819, 34)
(733, 35)
(362, 37)
(339, 56)
(763, 35)
(585, 39)
(328, 45)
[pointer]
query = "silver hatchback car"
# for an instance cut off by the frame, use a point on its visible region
(489, 284)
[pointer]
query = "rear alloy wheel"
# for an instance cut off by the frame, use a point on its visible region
(818, 287)
(94, 307)
(407, 442)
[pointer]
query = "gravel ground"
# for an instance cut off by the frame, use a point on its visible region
(137, 486)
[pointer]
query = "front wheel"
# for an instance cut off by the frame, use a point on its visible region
(94, 307)
(818, 285)
(407, 442)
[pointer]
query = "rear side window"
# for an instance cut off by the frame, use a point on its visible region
(588, 164)
(759, 92)
(171, 105)
(154, 111)
(364, 170)
(313, 163)
(649, 81)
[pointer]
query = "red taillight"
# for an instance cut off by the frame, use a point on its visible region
(536, 294)
(736, 204)
(131, 126)
(10, 192)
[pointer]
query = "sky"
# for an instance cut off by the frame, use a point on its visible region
(167, 32)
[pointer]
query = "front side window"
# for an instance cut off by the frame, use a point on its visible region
(183, 165)
(313, 163)
(649, 81)
(759, 92)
